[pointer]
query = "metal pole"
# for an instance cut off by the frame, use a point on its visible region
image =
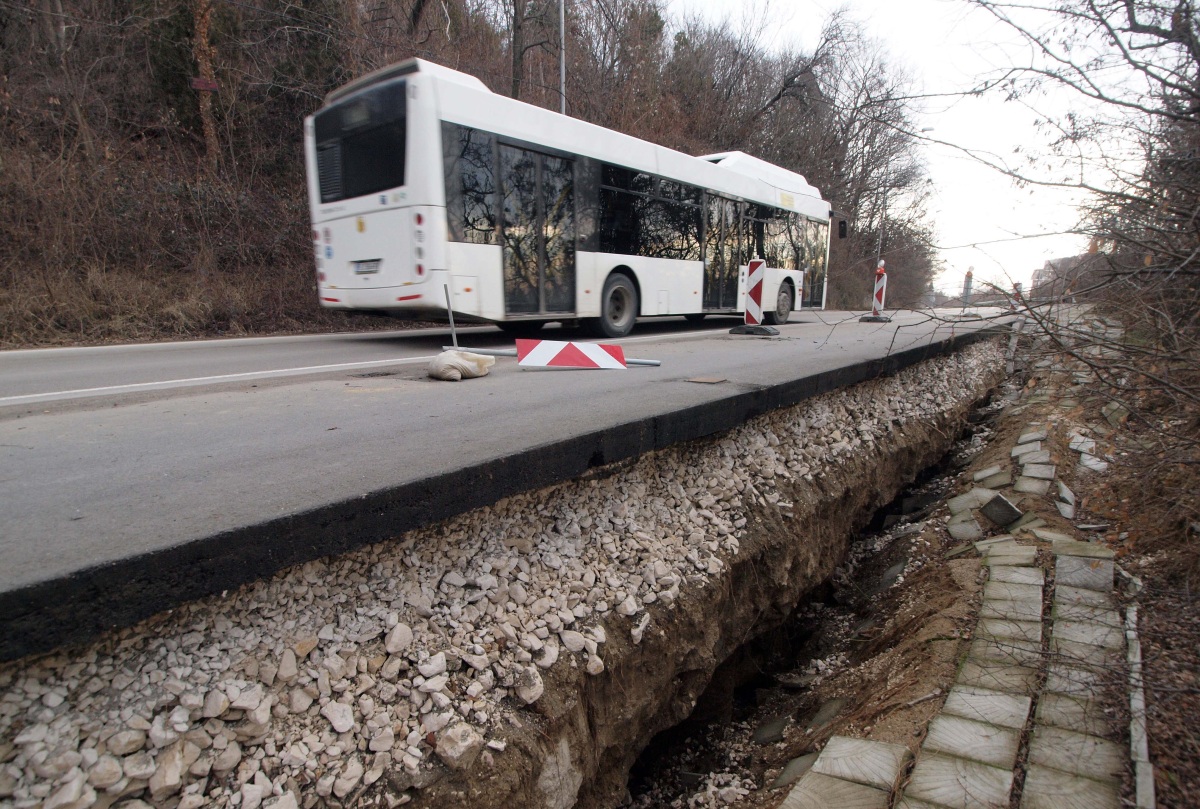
(562, 56)
(450, 311)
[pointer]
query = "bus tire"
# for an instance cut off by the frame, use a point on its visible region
(695, 317)
(618, 307)
(783, 306)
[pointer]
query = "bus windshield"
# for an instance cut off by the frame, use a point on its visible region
(360, 143)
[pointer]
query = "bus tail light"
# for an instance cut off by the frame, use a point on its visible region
(408, 297)
(420, 271)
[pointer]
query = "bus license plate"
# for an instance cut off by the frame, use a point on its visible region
(366, 267)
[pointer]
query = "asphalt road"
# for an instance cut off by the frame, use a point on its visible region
(134, 477)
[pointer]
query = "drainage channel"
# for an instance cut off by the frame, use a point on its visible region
(773, 703)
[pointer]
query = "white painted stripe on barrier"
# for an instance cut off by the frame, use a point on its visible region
(598, 355)
(754, 284)
(542, 353)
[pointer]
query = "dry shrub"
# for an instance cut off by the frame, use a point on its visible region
(130, 249)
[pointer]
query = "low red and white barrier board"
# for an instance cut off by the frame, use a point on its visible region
(755, 272)
(561, 354)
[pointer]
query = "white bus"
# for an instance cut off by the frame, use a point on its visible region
(419, 177)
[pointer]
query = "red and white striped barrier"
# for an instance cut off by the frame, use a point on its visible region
(561, 354)
(755, 272)
(877, 315)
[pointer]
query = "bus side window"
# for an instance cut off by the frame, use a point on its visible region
(469, 163)
(779, 251)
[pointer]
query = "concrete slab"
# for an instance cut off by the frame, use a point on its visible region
(1011, 590)
(1088, 633)
(771, 731)
(1089, 574)
(998, 676)
(913, 803)
(958, 782)
(1065, 594)
(1016, 557)
(874, 764)
(986, 705)
(998, 480)
(1041, 456)
(1082, 612)
(965, 531)
(1087, 550)
(1046, 788)
(999, 628)
(1075, 681)
(1017, 575)
(1027, 609)
(1080, 714)
(987, 473)
(1092, 463)
(1065, 495)
(1032, 435)
(1038, 471)
(974, 498)
(1021, 449)
(794, 770)
(1077, 753)
(826, 713)
(1066, 510)
(1007, 650)
(1036, 522)
(816, 791)
(999, 545)
(1083, 654)
(1047, 535)
(1028, 485)
(1001, 511)
(969, 738)
(1081, 444)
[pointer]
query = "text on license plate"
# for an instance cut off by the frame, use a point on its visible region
(366, 267)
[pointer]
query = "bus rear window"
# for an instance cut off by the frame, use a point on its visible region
(361, 144)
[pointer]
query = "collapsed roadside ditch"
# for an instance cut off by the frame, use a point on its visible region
(732, 748)
(526, 651)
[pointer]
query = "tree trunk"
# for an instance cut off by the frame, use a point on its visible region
(202, 49)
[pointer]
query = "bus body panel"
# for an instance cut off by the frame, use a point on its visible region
(480, 262)
(668, 286)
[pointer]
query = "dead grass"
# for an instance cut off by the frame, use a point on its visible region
(130, 251)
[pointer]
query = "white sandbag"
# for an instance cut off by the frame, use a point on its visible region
(452, 366)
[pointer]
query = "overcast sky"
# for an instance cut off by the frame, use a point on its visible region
(949, 47)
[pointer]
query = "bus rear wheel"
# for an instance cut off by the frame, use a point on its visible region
(783, 306)
(618, 307)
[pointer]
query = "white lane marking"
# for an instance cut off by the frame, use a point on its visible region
(34, 398)
(134, 387)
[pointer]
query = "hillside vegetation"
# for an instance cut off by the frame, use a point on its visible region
(138, 207)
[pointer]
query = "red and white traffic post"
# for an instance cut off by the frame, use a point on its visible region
(756, 272)
(877, 315)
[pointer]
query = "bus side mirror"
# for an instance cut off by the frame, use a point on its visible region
(841, 228)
